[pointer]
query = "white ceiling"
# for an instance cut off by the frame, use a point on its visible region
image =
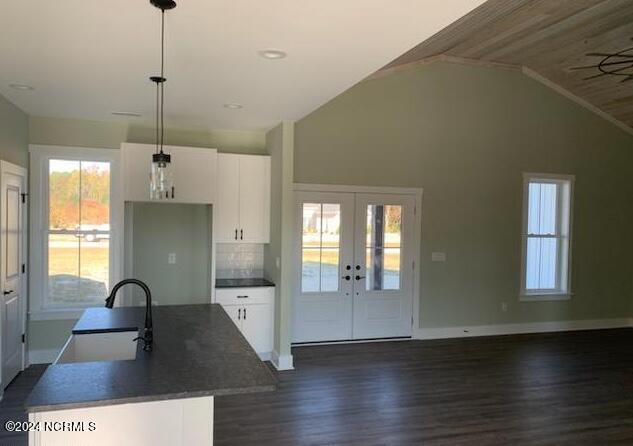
(87, 58)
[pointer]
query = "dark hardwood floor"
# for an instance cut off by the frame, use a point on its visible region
(547, 389)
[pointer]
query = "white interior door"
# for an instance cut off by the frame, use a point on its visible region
(383, 266)
(355, 253)
(323, 303)
(11, 259)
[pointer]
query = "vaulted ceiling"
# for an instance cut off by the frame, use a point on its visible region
(552, 38)
(88, 58)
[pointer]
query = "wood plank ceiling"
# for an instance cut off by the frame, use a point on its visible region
(549, 37)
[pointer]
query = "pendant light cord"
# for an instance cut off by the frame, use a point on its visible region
(162, 75)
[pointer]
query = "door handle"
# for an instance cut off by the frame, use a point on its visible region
(360, 277)
(239, 314)
(244, 313)
(7, 292)
(348, 277)
(241, 234)
(236, 234)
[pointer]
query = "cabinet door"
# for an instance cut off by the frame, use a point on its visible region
(235, 313)
(226, 215)
(257, 327)
(194, 172)
(136, 160)
(254, 207)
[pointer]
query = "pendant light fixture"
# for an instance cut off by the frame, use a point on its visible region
(161, 181)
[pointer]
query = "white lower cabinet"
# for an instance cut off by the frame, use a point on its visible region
(252, 310)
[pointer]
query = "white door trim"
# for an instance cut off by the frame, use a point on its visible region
(7, 167)
(417, 192)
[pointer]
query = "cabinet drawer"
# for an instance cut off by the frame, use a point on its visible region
(245, 296)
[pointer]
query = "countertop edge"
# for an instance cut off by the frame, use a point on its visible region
(150, 398)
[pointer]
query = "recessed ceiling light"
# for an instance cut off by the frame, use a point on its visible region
(126, 113)
(272, 54)
(233, 106)
(21, 87)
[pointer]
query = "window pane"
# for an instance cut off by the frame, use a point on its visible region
(542, 199)
(63, 269)
(329, 269)
(331, 225)
(95, 196)
(541, 263)
(311, 225)
(383, 242)
(64, 194)
(310, 269)
(94, 267)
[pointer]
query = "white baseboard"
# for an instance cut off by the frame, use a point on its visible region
(282, 362)
(45, 356)
(508, 329)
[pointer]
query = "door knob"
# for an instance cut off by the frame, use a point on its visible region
(360, 277)
(348, 277)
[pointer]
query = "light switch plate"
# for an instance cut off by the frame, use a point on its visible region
(438, 257)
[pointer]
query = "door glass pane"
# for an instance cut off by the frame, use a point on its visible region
(310, 270)
(95, 196)
(94, 250)
(63, 269)
(311, 225)
(13, 232)
(329, 269)
(391, 278)
(320, 247)
(63, 194)
(383, 247)
(541, 263)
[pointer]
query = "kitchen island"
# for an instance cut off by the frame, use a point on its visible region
(137, 397)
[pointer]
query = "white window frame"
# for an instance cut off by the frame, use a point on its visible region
(564, 229)
(39, 158)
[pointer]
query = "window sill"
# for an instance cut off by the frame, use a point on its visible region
(544, 297)
(56, 315)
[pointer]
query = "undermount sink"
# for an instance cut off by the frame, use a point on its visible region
(111, 346)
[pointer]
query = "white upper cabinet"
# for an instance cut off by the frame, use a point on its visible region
(194, 173)
(243, 199)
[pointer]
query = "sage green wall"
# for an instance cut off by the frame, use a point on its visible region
(183, 229)
(14, 134)
(181, 283)
(466, 134)
(280, 146)
(110, 135)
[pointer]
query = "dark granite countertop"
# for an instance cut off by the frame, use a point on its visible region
(198, 351)
(242, 283)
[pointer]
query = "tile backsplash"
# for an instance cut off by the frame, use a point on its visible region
(235, 261)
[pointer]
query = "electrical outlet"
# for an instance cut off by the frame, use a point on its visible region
(438, 257)
(171, 258)
(504, 306)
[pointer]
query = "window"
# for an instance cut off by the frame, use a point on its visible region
(320, 247)
(383, 247)
(73, 261)
(547, 205)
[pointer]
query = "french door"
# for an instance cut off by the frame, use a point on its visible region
(356, 257)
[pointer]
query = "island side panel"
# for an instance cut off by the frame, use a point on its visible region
(178, 422)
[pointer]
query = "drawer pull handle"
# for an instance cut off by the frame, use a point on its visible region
(242, 297)
(244, 313)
